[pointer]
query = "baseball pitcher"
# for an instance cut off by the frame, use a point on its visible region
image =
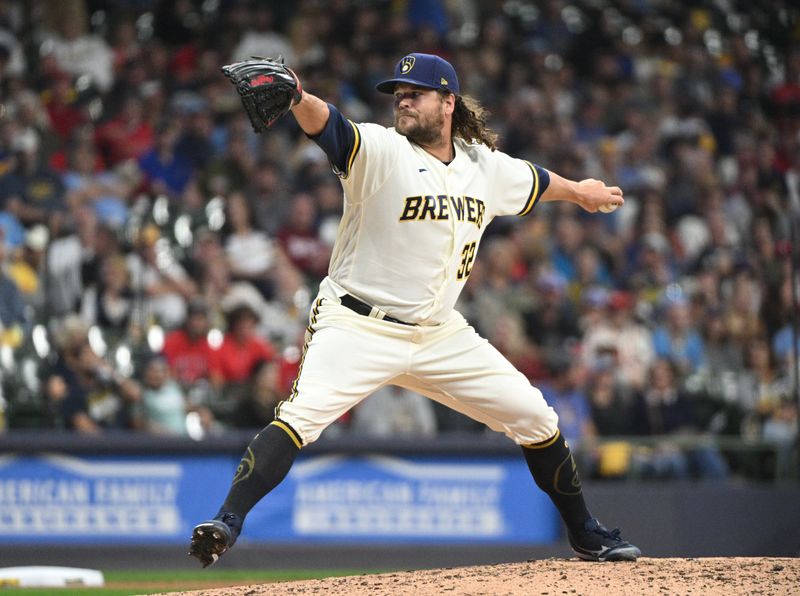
(417, 199)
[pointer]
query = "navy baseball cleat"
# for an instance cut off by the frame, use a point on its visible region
(212, 538)
(597, 543)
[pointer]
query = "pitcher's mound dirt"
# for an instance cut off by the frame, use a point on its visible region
(701, 577)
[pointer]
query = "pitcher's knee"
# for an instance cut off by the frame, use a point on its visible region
(304, 425)
(537, 423)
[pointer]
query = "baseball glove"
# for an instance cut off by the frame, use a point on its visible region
(267, 87)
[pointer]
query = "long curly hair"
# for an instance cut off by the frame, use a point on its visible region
(469, 122)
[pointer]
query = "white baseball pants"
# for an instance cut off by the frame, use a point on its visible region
(347, 356)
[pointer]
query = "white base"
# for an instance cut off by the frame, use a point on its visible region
(50, 577)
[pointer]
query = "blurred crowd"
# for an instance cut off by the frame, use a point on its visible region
(159, 257)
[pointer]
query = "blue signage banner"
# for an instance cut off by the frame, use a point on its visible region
(55, 498)
(324, 499)
(389, 499)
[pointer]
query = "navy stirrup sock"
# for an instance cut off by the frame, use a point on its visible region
(553, 468)
(265, 463)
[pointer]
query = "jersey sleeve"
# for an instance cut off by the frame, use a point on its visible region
(340, 140)
(361, 154)
(519, 184)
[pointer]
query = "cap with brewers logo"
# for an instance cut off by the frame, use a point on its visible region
(425, 70)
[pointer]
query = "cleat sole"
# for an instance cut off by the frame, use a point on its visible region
(208, 543)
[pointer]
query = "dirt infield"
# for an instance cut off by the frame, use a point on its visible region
(706, 577)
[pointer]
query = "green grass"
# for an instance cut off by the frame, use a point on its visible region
(87, 591)
(77, 591)
(200, 575)
(161, 580)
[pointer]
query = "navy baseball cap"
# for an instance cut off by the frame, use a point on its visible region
(425, 70)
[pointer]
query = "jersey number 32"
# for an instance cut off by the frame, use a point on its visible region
(467, 259)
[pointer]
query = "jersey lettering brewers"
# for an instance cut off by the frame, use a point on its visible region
(410, 220)
(407, 241)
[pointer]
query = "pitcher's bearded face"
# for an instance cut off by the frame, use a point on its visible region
(419, 113)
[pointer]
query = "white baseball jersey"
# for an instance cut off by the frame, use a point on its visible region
(412, 225)
(405, 247)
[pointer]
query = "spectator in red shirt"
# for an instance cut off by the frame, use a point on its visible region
(187, 349)
(300, 239)
(60, 101)
(242, 349)
(126, 136)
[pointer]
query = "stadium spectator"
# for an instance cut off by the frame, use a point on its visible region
(328, 194)
(85, 393)
(13, 63)
(508, 335)
(26, 268)
(760, 385)
(127, 135)
(163, 402)
(215, 280)
(64, 111)
(744, 305)
(664, 409)
(103, 190)
(788, 307)
(187, 351)
(590, 272)
(553, 320)
(393, 411)
(78, 51)
(111, 302)
(261, 38)
(125, 45)
(285, 315)
(231, 170)
(161, 278)
(251, 254)
(165, 405)
(166, 170)
(610, 402)
(651, 267)
(619, 338)
(257, 399)
(565, 392)
(13, 318)
(72, 261)
(242, 349)
(781, 426)
(676, 338)
(268, 195)
(501, 290)
(299, 238)
(717, 377)
(32, 191)
(196, 142)
(567, 240)
(206, 248)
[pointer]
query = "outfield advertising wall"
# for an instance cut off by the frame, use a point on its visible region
(341, 498)
(450, 501)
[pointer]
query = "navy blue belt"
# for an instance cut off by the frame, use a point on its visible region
(362, 308)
